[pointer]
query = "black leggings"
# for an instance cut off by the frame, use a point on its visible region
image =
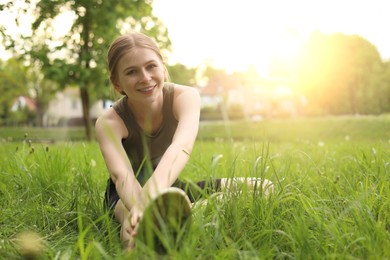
(194, 191)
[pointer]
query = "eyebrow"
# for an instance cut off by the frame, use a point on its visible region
(132, 67)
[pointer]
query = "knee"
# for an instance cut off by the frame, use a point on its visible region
(265, 185)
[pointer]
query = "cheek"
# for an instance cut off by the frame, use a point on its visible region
(126, 80)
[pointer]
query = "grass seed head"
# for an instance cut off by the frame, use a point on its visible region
(30, 245)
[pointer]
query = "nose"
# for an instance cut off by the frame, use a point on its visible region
(145, 75)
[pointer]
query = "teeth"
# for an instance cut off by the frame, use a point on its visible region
(146, 89)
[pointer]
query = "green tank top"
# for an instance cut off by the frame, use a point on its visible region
(144, 150)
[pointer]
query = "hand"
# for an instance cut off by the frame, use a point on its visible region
(135, 217)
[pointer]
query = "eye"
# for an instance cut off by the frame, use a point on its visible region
(131, 72)
(152, 66)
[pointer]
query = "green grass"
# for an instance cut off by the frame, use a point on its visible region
(331, 197)
(18, 134)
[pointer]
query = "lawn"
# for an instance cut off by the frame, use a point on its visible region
(331, 198)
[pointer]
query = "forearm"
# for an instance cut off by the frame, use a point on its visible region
(168, 170)
(130, 191)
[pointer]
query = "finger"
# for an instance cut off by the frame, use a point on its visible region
(133, 223)
(134, 232)
(129, 230)
(134, 220)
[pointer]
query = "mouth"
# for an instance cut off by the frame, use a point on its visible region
(147, 90)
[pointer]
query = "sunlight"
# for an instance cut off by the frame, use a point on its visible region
(232, 35)
(62, 23)
(288, 45)
(252, 33)
(15, 23)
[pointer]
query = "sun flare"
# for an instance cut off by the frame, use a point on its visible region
(233, 35)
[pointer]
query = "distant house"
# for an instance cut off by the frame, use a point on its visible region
(272, 97)
(211, 95)
(24, 102)
(99, 107)
(66, 109)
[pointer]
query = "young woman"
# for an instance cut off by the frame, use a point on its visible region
(146, 138)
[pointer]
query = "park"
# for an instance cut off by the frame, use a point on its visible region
(317, 126)
(331, 195)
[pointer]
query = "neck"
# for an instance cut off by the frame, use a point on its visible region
(148, 115)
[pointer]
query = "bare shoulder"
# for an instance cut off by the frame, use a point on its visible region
(107, 116)
(109, 122)
(188, 91)
(186, 101)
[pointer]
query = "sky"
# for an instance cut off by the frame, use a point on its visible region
(235, 34)
(232, 34)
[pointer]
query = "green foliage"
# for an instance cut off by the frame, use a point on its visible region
(221, 79)
(235, 111)
(83, 59)
(21, 79)
(384, 82)
(331, 199)
(300, 130)
(342, 74)
(210, 113)
(180, 74)
(13, 83)
(87, 42)
(232, 112)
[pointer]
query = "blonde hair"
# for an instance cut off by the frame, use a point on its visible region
(126, 43)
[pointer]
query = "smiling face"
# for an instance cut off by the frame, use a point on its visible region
(140, 75)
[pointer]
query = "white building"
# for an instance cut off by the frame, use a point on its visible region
(66, 108)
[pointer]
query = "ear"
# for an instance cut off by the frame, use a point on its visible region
(117, 87)
(166, 74)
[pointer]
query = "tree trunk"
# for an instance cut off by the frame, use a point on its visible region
(39, 115)
(86, 118)
(84, 58)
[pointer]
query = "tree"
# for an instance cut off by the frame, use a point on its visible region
(180, 74)
(79, 57)
(18, 79)
(220, 79)
(42, 90)
(249, 78)
(13, 83)
(384, 98)
(340, 73)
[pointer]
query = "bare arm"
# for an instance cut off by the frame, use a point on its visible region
(186, 108)
(110, 130)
